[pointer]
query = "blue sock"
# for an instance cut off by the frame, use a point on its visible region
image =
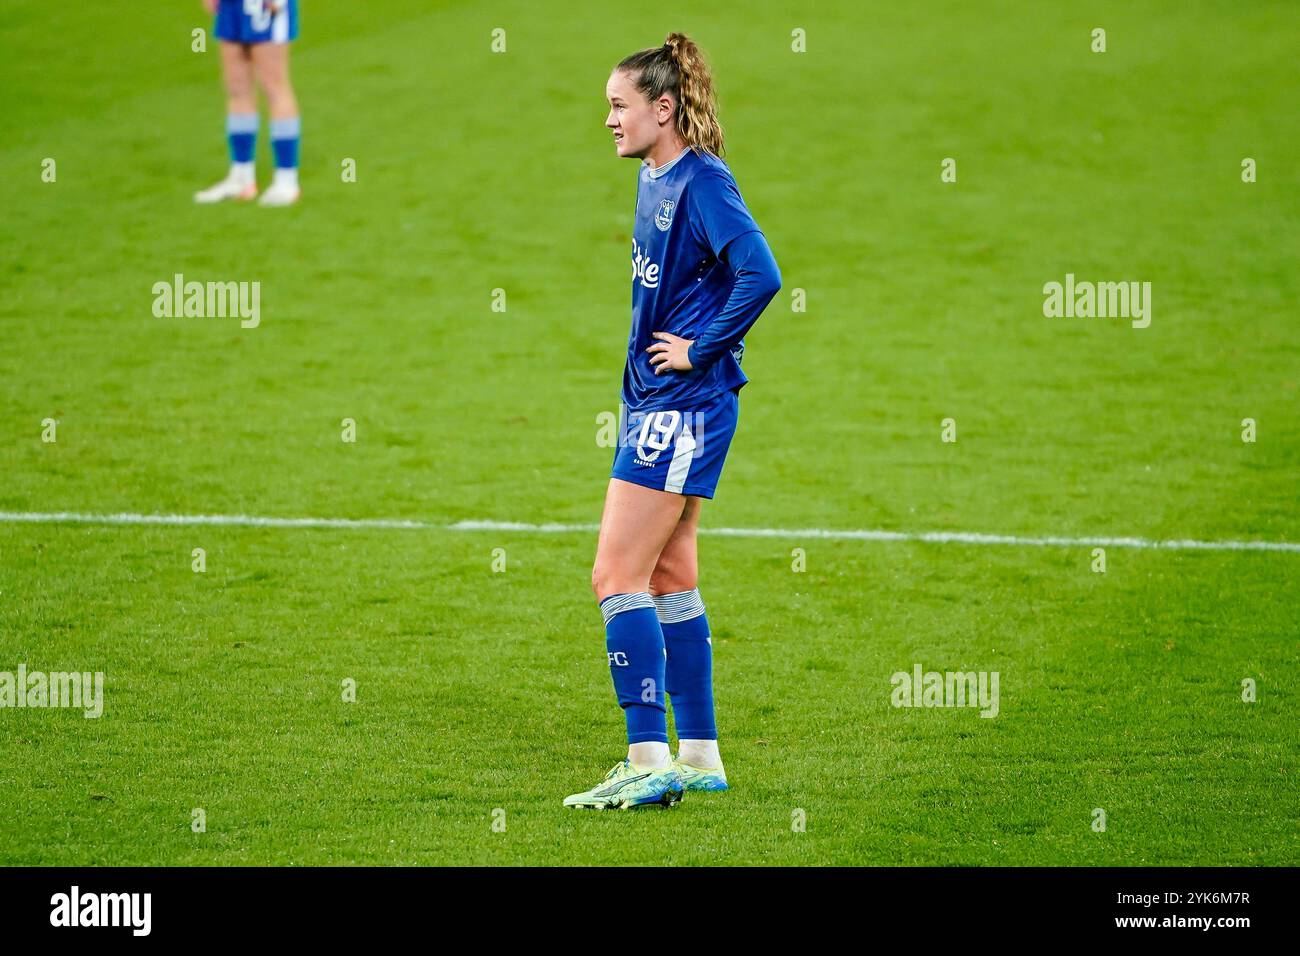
(689, 670)
(635, 645)
(241, 133)
(285, 134)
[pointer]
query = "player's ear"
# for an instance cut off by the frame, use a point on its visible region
(664, 107)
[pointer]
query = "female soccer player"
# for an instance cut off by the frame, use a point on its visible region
(702, 273)
(255, 37)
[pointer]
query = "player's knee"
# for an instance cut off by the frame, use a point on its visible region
(277, 86)
(600, 581)
(607, 580)
(673, 578)
(269, 84)
(239, 88)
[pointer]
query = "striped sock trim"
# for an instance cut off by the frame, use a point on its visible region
(288, 128)
(241, 122)
(682, 606)
(618, 603)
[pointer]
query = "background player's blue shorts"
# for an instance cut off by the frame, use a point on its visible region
(681, 450)
(257, 21)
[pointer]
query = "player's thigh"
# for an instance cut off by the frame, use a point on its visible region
(271, 66)
(636, 524)
(678, 567)
(236, 69)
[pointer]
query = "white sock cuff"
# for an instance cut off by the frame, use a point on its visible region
(618, 603)
(682, 606)
(241, 122)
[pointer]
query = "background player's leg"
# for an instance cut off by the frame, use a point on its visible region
(271, 66)
(689, 669)
(241, 126)
(636, 524)
(241, 108)
(237, 74)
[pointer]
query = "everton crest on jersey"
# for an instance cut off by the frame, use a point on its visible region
(664, 216)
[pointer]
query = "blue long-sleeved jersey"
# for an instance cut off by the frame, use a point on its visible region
(702, 270)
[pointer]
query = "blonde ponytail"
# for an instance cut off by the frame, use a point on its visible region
(678, 68)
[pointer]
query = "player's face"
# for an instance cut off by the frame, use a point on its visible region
(635, 122)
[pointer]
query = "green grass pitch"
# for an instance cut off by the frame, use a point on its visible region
(484, 696)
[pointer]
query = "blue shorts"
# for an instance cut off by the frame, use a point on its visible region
(257, 21)
(678, 450)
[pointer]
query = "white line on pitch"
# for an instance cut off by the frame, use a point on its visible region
(928, 537)
(251, 521)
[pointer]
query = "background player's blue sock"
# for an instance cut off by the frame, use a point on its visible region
(285, 134)
(636, 661)
(689, 669)
(241, 134)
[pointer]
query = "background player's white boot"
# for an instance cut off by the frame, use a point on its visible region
(283, 190)
(239, 184)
